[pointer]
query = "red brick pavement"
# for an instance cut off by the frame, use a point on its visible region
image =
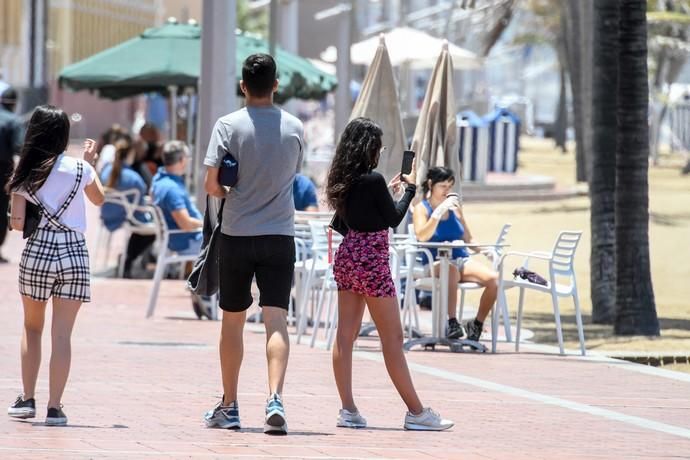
(139, 387)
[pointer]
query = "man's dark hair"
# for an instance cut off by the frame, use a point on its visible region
(259, 74)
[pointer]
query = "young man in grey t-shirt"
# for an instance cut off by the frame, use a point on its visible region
(257, 233)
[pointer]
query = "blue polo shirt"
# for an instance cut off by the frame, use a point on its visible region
(304, 193)
(113, 215)
(170, 194)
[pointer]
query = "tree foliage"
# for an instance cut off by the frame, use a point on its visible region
(255, 21)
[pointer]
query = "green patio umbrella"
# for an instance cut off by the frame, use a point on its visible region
(171, 56)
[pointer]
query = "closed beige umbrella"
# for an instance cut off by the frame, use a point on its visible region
(378, 100)
(436, 135)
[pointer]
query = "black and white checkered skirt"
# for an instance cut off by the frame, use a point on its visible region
(55, 263)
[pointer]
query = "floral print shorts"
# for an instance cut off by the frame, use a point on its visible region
(362, 264)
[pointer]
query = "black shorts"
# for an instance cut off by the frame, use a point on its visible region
(271, 258)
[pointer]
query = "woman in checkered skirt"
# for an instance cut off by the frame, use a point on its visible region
(55, 262)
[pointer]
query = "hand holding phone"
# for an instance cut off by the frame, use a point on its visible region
(409, 167)
(395, 184)
(408, 158)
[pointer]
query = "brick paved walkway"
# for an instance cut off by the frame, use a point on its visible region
(138, 389)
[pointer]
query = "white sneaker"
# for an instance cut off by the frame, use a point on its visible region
(428, 420)
(275, 416)
(347, 419)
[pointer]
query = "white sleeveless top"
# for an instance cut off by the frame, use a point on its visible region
(58, 186)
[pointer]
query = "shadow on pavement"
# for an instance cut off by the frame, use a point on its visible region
(102, 427)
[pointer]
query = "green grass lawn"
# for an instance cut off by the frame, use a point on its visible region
(536, 225)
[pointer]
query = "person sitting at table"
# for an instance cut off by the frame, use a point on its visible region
(120, 176)
(169, 193)
(438, 218)
(304, 194)
(151, 137)
(106, 145)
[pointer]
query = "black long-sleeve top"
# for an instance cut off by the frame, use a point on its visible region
(369, 206)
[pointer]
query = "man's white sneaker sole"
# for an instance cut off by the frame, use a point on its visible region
(275, 424)
(223, 425)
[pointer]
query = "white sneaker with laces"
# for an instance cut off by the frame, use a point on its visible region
(275, 416)
(347, 419)
(428, 420)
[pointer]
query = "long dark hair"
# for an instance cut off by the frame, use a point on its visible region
(111, 135)
(357, 153)
(46, 138)
(435, 175)
(123, 147)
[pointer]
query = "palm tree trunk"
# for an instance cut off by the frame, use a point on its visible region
(573, 45)
(561, 124)
(560, 129)
(602, 187)
(587, 32)
(636, 309)
(578, 32)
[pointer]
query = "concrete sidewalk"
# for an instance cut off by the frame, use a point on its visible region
(139, 388)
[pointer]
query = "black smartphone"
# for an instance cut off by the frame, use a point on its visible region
(408, 158)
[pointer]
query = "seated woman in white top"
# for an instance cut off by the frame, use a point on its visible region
(439, 217)
(55, 261)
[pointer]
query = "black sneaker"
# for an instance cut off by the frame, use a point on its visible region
(474, 330)
(56, 417)
(454, 330)
(22, 408)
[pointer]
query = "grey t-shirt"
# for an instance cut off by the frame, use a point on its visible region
(267, 144)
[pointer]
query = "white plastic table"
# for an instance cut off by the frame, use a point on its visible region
(437, 337)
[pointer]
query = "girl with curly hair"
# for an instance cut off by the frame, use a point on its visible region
(365, 211)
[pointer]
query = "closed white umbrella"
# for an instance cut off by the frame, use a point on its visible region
(413, 47)
(436, 135)
(435, 141)
(378, 100)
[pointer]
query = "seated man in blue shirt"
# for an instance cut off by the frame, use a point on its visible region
(304, 193)
(169, 193)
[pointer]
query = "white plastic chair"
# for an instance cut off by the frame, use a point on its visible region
(312, 270)
(320, 275)
(139, 227)
(303, 261)
(306, 216)
(128, 199)
(418, 277)
(561, 267)
(166, 256)
(494, 255)
(326, 294)
(330, 287)
(301, 257)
